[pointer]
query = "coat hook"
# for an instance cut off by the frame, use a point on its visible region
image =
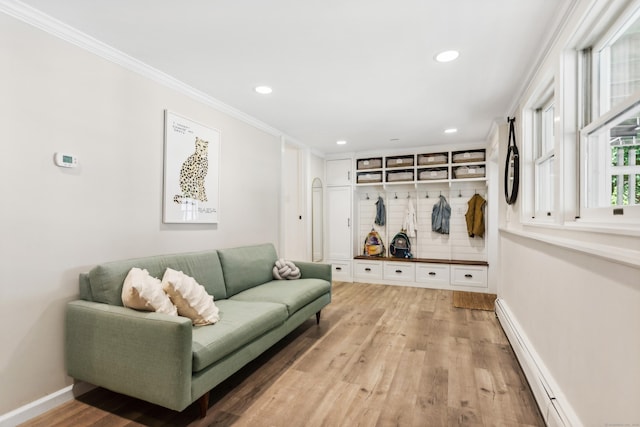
(367, 196)
(395, 195)
(426, 194)
(408, 195)
(459, 193)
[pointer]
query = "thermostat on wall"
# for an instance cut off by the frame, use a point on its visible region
(66, 160)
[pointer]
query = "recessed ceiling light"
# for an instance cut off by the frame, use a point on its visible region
(341, 142)
(263, 90)
(451, 130)
(447, 55)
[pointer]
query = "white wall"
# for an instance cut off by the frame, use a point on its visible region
(579, 311)
(56, 223)
(582, 314)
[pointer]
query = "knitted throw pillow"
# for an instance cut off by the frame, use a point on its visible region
(285, 270)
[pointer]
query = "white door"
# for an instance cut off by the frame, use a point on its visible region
(295, 236)
(339, 223)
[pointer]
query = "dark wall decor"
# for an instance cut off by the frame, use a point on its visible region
(512, 166)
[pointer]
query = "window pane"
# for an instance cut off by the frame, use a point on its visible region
(625, 190)
(543, 161)
(546, 143)
(613, 162)
(624, 65)
(544, 187)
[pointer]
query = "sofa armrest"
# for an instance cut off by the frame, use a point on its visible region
(314, 270)
(140, 354)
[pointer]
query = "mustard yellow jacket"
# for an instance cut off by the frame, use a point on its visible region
(475, 216)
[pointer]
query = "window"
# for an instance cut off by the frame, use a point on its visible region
(538, 169)
(610, 145)
(544, 159)
(612, 170)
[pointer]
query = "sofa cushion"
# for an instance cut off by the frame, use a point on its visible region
(295, 294)
(240, 323)
(247, 266)
(107, 279)
(190, 297)
(143, 292)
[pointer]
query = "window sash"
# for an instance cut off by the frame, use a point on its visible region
(599, 167)
(543, 161)
(605, 60)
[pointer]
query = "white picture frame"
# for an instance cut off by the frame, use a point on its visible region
(191, 171)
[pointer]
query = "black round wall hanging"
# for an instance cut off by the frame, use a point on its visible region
(512, 166)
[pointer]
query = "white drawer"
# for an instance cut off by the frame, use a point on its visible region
(341, 270)
(368, 269)
(468, 275)
(436, 274)
(400, 271)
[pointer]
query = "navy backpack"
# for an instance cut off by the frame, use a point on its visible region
(400, 246)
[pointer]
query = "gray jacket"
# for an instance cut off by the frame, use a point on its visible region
(440, 216)
(380, 212)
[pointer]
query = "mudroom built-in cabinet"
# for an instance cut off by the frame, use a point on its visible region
(339, 221)
(404, 181)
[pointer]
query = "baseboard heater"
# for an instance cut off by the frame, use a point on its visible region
(555, 410)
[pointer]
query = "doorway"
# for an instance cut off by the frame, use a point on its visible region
(294, 221)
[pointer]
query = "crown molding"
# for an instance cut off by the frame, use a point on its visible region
(559, 24)
(56, 28)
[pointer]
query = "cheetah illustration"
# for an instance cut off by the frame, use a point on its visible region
(192, 174)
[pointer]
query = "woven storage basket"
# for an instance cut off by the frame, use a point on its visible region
(430, 174)
(432, 159)
(468, 156)
(469, 172)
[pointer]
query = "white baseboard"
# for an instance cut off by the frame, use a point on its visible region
(555, 408)
(44, 404)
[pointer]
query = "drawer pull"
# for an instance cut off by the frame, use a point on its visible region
(468, 276)
(367, 269)
(432, 273)
(338, 268)
(398, 271)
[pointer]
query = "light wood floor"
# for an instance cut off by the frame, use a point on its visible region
(382, 356)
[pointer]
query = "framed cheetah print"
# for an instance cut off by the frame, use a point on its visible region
(191, 171)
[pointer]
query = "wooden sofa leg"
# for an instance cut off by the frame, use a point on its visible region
(203, 403)
(318, 317)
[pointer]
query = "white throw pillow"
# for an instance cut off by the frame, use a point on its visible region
(190, 297)
(143, 292)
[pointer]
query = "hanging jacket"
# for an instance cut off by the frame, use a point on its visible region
(381, 212)
(440, 216)
(409, 223)
(475, 216)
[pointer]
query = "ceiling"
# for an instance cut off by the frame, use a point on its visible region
(356, 70)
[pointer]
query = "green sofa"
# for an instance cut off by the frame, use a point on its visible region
(165, 360)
